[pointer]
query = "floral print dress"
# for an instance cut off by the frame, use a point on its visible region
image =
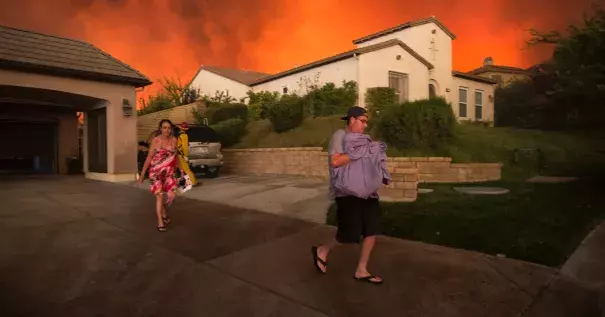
(162, 171)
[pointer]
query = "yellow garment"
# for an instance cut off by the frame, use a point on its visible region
(182, 146)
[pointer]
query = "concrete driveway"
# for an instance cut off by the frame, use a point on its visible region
(302, 198)
(76, 247)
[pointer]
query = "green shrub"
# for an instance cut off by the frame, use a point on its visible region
(330, 100)
(260, 102)
(379, 99)
(422, 124)
(230, 131)
(287, 113)
(217, 112)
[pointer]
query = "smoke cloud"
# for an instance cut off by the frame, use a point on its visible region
(174, 37)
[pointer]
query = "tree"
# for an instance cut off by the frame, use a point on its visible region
(578, 61)
(173, 93)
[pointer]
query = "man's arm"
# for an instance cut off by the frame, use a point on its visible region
(339, 159)
(335, 150)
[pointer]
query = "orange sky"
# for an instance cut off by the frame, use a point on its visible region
(174, 37)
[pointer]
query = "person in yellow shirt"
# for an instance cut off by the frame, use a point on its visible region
(183, 149)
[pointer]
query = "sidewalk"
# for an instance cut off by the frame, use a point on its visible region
(76, 247)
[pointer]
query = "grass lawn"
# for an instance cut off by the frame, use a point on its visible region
(541, 223)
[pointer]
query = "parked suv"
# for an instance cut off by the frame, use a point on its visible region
(204, 149)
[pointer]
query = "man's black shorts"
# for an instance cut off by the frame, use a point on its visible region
(357, 217)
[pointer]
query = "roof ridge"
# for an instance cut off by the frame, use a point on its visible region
(232, 68)
(404, 25)
(43, 34)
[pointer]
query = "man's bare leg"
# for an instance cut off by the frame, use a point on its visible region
(323, 251)
(367, 245)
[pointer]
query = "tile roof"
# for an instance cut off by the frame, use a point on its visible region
(403, 26)
(345, 55)
(245, 77)
(473, 77)
(30, 51)
(499, 69)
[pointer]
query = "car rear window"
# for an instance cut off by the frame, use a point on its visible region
(202, 134)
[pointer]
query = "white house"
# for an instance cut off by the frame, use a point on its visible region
(414, 58)
(234, 82)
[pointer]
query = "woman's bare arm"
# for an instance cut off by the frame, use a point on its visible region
(152, 147)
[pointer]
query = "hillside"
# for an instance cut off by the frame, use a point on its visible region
(564, 153)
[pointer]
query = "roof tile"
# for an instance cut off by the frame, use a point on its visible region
(23, 49)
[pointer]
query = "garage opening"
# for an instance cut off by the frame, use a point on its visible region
(28, 147)
(97, 140)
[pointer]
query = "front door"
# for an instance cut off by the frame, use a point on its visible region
(97, 140)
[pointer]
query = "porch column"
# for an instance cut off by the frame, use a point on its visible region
(122, 139)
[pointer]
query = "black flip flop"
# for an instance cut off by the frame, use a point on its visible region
(317, 259)
(369, 279)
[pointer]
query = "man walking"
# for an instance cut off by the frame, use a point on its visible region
(357, 217)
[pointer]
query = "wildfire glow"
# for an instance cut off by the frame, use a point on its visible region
(174, 37)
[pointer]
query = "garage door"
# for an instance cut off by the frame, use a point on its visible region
(28, 147)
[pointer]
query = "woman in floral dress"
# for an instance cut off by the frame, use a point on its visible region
(162, 164)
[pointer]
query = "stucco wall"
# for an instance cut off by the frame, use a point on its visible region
(419, 39)
(121, 130)
(374, 70)
(209, 83)
(334, 73)
(472, 86)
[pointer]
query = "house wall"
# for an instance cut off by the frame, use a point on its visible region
(374, 70)
(121, 130)
(472, 86)
(419, 39)
(336, 73)
(209, 83)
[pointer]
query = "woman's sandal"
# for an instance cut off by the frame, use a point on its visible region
(162, 229)
(166, 220)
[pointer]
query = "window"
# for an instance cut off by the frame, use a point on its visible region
(478, 104)
(399, 82)
(285, 90)
(462, 101)
(432, 91)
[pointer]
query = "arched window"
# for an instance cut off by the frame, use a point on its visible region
(432, 91)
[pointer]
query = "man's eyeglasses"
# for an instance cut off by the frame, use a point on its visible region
(363, 120)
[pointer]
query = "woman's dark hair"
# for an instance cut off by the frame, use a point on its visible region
(162, 122)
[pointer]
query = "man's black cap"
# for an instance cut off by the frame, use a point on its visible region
(355, 112)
